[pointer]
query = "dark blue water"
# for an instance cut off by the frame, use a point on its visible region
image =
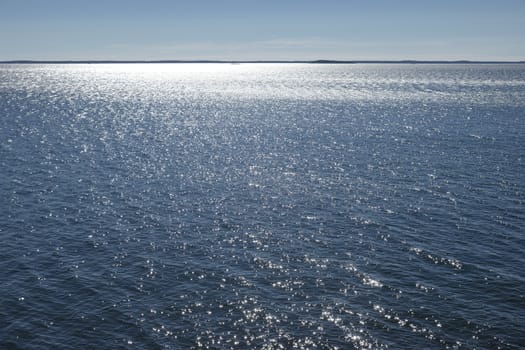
(262, 206)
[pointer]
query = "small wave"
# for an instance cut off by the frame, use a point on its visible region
(446, 261)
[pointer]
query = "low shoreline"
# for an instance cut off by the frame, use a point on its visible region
(255, 61)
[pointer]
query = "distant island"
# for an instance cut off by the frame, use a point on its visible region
(259, 61)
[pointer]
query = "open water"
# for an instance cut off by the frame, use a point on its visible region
(264, 206)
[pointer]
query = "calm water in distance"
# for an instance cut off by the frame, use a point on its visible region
(265, 206)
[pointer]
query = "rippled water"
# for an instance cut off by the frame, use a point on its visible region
(262, 206)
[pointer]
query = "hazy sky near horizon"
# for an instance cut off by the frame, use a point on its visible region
(269, 29)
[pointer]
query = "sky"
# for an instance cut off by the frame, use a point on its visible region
(262, 30)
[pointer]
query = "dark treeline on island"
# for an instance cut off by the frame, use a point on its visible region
(258, 61)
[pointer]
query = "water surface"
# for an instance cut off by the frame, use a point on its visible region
(172, 206)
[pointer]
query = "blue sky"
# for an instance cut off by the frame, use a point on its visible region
(264, 29)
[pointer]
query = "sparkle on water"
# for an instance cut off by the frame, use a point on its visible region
(262, 206)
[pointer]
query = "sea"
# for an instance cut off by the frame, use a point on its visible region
(262, 206)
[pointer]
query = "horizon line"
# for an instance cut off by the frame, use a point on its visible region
(319, 61)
